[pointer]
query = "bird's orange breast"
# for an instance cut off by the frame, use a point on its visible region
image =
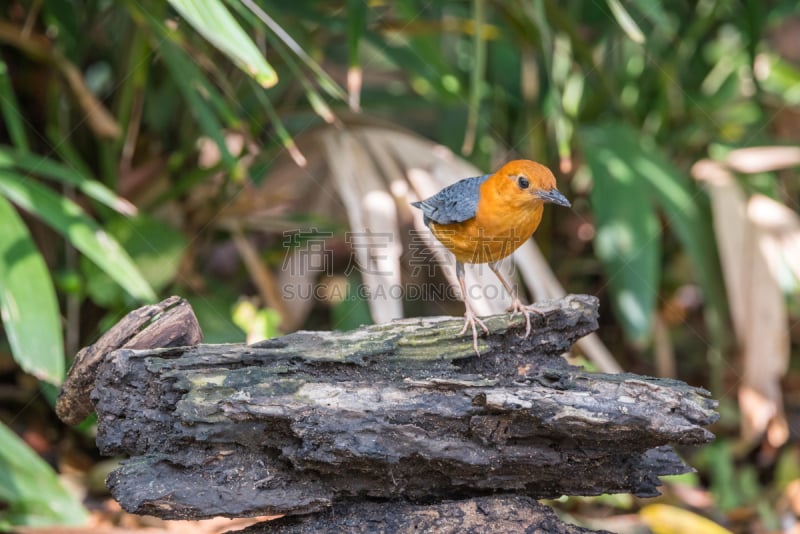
(496, 231)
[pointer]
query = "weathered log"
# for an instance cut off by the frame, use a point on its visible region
(170, 323)
(405, 410)
(482, 514)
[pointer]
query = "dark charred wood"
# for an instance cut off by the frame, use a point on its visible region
(478, 515)
(399, 411)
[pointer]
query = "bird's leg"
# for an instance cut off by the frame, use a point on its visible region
(516, 305)
(471, 319)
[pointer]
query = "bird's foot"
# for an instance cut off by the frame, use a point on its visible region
(472, 320)
(518, 307)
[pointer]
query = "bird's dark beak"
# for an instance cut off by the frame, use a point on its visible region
(554, 196)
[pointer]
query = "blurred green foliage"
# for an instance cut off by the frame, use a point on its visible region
(103, 100)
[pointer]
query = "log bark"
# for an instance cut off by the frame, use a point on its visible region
(399, 411)
(170, 323)
(506, 513)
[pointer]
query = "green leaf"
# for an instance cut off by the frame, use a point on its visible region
(625, 21)
(68, 219)
(280, 130)
(477, 76)
(214, 313)
(30, 490)
(193, 85)
(324, 80)
(28, 304)
(628, 235)
(48, 168)
(350, 310)
(155, 248)
(687, 211)
(289, 50)
(214, 22)
(356, 24)
(258, 323)
(11, 110)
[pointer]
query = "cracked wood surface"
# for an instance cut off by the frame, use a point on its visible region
(404, 410)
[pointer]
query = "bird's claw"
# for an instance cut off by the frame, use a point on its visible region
(518, 307)
(470, 320)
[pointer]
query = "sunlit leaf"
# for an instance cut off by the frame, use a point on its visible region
(48, 168)
(667, 519)
(259, 323)
(214, 22)
(29, 489)
(625, 21)
(324, 80)
(779, 77)
(68, 219)
(289, 51)
(28, 304)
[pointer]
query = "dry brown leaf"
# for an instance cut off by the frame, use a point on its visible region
(543, 284)
(748, 250)
(372, 215)
(664, 351)
(763, 158)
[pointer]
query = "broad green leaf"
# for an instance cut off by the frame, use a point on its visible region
(628, 236)
(68, 219)
(48, 168)
(214, 22)
(28, 304)
(29, 489)
(686, 209)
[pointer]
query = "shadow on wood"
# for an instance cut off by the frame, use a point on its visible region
(405, 410)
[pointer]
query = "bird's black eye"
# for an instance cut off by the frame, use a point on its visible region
(523, 182)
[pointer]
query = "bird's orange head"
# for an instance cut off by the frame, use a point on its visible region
(523, 183)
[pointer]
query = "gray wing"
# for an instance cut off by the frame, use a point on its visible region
(455, 203)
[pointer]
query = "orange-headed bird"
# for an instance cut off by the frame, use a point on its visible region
(485, 218)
